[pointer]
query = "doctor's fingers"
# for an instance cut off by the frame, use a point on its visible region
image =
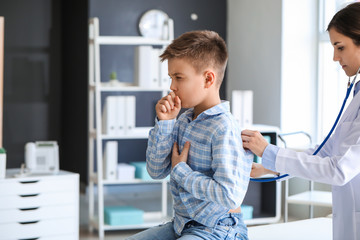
(251, 133)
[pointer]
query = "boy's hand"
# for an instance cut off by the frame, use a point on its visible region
(176, 157)
(168, 107)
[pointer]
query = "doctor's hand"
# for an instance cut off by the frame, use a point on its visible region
(254, 141)
(258, 170)
(176, 157)
(168, 107)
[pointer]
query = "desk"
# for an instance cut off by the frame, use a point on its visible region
(310, 229)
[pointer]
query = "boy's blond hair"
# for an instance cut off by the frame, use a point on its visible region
(202, 49)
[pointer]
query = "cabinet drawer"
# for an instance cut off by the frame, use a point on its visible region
(39, 213)
(31, 186)
(40, 229)
(38, 200)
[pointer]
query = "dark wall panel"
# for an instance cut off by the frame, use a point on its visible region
(32, 75)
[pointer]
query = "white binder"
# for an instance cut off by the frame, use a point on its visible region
(109, 116)
(143, 67)
(120, 112)
(110, 160)
(242, 107)
(155, 67)
(165, 80)
(129, 114)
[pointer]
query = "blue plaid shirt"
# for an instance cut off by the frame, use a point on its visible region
(216, 175)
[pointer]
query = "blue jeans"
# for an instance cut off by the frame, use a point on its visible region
(230, 227)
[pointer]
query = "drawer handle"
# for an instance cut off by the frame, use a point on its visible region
(28, 209)
(29, 195)
(32, 222)
(29, 238)
(27, 182)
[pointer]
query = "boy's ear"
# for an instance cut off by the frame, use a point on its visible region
(209, 78)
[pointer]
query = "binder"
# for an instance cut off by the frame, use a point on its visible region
(242, 107)
(110, 160)
(120, 112)
(143, 70)
(165, 80)
(109, 120)
(129, 114)
(155, 67)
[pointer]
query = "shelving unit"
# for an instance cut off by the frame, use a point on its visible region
(311, 198)
(97, 138)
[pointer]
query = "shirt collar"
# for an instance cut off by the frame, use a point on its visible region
(222, 107)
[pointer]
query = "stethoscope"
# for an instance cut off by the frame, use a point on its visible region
(327, 137)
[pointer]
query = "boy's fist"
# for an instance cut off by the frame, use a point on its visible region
(168, 107)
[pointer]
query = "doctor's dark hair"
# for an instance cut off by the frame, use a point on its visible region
(347, 22)
(202, 49)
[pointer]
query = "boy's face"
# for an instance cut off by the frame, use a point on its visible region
(186, 83)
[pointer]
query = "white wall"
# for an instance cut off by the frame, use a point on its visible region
(254, 43)
(299, 65)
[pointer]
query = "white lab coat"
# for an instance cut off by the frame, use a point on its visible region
(338, 164)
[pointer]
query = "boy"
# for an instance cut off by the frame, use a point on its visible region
(210, 177)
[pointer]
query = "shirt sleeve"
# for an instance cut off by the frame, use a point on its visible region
(269, 160)
(269, 157)
(158, 152)
(231, 166)
(335, 170)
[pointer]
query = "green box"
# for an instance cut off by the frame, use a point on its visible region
(247, 211)
(123, 215)
(140, 170)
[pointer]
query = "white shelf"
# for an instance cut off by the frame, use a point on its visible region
(138, 133)
(126, 88)
(151, 219)
(316, 198)
(107, 137)
(129, 40)
(134, 181)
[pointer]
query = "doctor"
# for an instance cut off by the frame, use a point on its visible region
(338, 162)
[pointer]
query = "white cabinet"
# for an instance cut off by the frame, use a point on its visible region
(97, 138)
(39, 206)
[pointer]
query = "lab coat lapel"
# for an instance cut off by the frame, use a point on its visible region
(354, 105)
